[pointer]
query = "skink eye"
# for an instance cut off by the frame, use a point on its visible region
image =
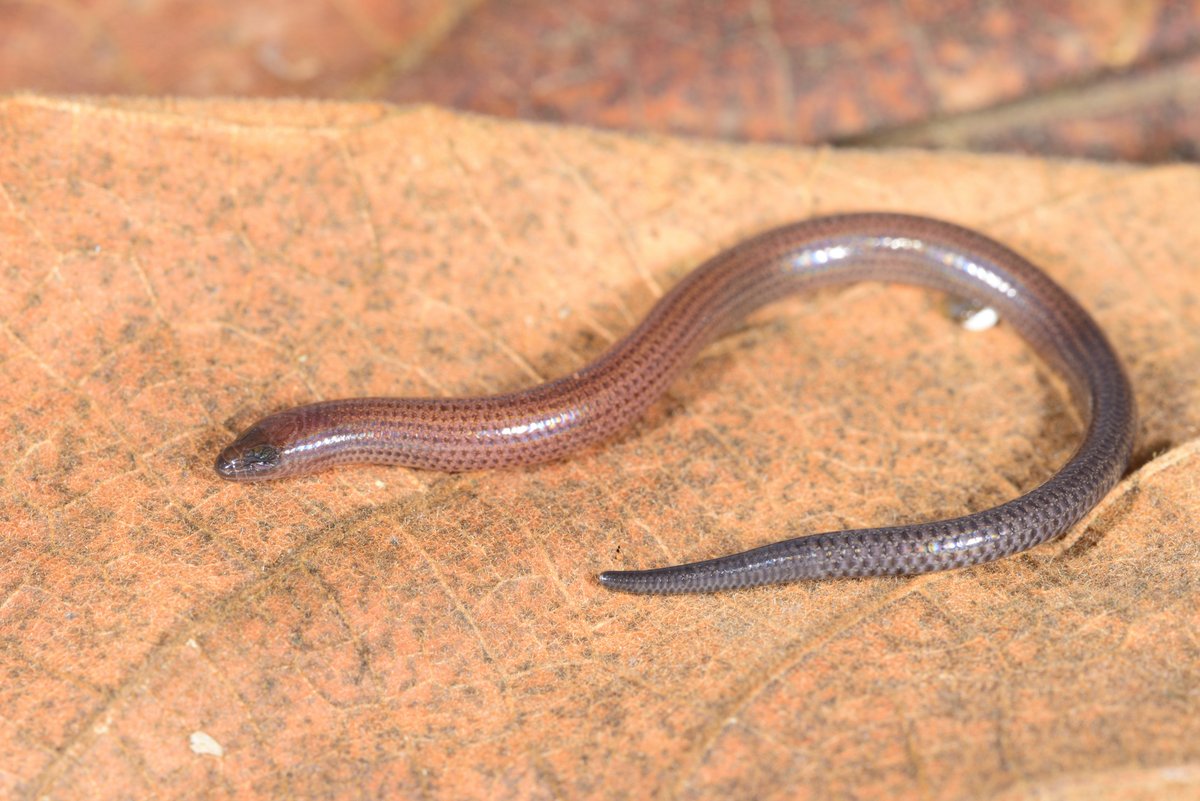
(262, 455)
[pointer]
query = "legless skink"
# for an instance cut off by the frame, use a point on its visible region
(554, 419)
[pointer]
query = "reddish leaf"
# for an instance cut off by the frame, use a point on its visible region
(172, 270)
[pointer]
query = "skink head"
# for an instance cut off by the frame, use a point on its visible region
(254, 456)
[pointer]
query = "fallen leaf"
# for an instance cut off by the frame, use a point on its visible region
(1116, 80)
(172, 270)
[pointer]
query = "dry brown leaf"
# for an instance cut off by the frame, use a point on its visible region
(1020, 75)
(222, 47)
(1117, 80)
(173, 270)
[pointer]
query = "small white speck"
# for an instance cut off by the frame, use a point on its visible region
(379, 484)
(302, 358)
(203, 744)
(192, 644)
(981, 320)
